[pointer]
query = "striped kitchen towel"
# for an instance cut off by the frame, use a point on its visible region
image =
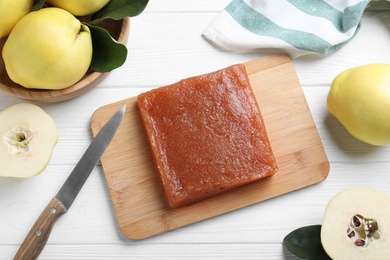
(295, 27)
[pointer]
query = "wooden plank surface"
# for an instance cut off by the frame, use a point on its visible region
(135, 191)
(165, 45)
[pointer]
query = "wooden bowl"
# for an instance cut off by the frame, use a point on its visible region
(119, 30)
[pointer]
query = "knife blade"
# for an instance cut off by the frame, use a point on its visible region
(38, 235)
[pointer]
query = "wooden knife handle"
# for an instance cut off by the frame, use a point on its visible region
(36, 239)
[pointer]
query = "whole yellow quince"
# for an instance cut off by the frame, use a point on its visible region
(48, 49)
(10, 12)
(79, 7)
(360, 99)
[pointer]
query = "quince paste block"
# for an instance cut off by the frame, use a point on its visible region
(207, 135)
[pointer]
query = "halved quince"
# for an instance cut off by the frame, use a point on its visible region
(356, 225)
(28, 137)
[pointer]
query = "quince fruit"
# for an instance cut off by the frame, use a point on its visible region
(10, 12)
(48, 49)
(356, 225)
(79, 7)
(28, 137)
(360, 99)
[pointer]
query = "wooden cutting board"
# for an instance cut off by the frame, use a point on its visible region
(138, 200)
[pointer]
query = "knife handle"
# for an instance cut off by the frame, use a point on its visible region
(36, 239)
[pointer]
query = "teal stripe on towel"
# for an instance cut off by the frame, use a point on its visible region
(342, 21)
(257, 23)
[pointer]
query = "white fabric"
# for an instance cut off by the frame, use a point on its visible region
(296, 27)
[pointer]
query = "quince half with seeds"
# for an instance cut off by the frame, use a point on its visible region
(28, 137)
(356, 225)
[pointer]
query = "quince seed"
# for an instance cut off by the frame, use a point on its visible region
(362, 231)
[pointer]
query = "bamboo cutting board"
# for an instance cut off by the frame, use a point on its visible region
(138, 199)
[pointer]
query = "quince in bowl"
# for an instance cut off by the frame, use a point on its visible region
(119, 30)
(58, 51)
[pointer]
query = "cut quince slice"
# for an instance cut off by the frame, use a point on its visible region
(28, 137)
(356, 225)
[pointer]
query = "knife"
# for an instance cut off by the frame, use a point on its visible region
(36, 239)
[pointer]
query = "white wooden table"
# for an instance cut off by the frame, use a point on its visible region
(165, 45)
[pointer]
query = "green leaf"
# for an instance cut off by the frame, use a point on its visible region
(305, 243)
(108, 54)
(38, 5)
(119, 9)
